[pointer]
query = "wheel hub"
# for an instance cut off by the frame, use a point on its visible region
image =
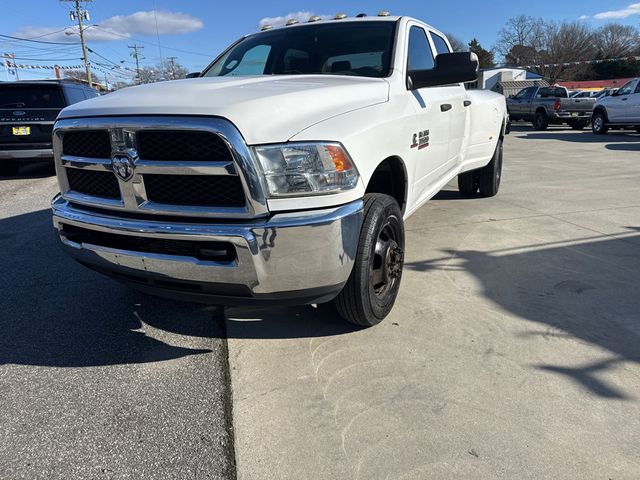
(388, 260)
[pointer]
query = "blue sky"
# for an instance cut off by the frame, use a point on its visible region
(196, 30)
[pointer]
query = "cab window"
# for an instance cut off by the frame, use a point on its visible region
(627, 88)
(74, 95)
(420, 56)
(440, 44)
(525, 94)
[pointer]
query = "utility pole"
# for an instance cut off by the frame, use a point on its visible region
(136, 54)
(172, 62)
(79, 14)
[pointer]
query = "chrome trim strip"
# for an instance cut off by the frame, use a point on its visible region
(287, 252)
(134, 196)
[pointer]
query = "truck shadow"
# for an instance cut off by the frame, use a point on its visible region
(33, 170)
(55, 312)
(582, 291)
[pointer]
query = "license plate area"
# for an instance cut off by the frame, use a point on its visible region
(21, 131)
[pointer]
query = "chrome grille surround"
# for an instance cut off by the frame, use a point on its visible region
(133, 195)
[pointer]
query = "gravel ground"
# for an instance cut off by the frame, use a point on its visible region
(98, 381)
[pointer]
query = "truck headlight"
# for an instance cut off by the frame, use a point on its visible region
(306, 168)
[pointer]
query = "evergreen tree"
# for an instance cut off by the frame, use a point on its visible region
(484, 56)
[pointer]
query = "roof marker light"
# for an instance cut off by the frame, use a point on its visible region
(340, 16)
(361, 15)
(266, 27)
(291, 21)
(314, 18)
(383, 13)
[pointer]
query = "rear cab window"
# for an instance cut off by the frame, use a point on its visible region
(31, 96)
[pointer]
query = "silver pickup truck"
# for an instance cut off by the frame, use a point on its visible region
(543, 106)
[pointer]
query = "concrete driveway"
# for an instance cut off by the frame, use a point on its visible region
(513, 350)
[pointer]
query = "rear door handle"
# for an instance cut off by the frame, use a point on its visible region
(445, 107)
(467, 103)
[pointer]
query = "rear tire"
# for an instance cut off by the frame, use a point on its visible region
(540, 121)
(468, 183)
(491, 175)
(599, 124)
(9, 168)
(372, 288)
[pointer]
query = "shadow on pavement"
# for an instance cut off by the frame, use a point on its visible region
(584, 290)
(630, 147)
(33, 170)
(580, 137)
(54, 312)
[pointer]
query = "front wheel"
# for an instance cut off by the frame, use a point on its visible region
(599, 124)
(369, 294)
(540, 121)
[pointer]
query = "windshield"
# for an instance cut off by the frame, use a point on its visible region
(350, 48)
(31, 96)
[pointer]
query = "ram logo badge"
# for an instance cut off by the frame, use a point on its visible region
(420, 140)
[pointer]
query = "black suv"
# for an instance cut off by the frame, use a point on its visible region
(27, 112)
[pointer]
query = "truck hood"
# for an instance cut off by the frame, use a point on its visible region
(266, 109)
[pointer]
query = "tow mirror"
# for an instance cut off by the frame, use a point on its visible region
(449, 68)
(193, 75)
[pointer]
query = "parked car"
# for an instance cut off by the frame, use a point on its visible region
(550, 105)
(27, 112)
(621, 109)
(584, 94)
(284, 172)
(606, 92)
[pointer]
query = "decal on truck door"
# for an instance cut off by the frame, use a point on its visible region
(420, 140)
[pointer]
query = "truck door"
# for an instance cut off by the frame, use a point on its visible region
(633, 108)
(429, 139)
(459, 111)
(520, 105)
(618, 103)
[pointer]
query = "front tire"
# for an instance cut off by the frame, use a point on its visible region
(540, 121)
(491, 175)
(599, 124)
(372, 288)
(468, 183)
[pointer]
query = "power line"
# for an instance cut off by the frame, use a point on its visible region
(38, 41)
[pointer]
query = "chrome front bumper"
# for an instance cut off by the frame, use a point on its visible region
(35, 154)
(298, 257)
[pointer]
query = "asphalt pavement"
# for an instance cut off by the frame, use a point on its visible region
(98, 381)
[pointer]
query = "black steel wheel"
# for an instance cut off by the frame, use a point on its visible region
(540, 121)
(468, 183)
(372, 288)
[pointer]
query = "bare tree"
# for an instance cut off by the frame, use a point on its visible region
(616, 41)
(163, 71)
(567, 46)
(79, 75)
(520, 31)
(456, 44)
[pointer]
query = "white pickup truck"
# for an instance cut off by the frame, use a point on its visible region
(284, 172)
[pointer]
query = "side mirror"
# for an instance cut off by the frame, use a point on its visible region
(193, 75)
(616, 93)
(449, 68)
(512, 96)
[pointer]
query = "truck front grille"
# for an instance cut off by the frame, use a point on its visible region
(154, 165)
(88, 144)
(178, 145)
(94, 183)
(210, 191)
(201, 250)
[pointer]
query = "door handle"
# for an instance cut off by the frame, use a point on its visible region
(467, 103)
(625, 99)
(445, 107)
